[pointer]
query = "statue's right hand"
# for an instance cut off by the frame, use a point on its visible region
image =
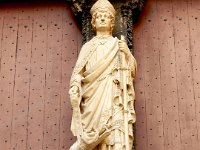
(74, 96)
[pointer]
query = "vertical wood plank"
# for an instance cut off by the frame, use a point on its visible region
(168, 76)
(53, 78)
(1, 31)
(140, 105)
(152, 80)
(22, 80)
(71, 44)
(37, 85)
(194, 23)
(187, 112)
(7, 75)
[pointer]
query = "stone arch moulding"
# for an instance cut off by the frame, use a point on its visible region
(128, 12)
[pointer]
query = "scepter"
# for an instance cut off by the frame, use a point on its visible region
(124, 82)
(125, 101)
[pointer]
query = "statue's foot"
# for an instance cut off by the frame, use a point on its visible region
(90, 140)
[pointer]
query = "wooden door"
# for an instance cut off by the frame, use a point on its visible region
(39, 46)
(167, 85)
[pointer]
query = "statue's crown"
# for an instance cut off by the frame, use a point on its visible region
(102, 5)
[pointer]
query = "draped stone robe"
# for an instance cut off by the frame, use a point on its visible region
(98, 74)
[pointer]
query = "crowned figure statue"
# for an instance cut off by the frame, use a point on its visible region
(101, 88)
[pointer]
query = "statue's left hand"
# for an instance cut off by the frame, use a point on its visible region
(123, 46)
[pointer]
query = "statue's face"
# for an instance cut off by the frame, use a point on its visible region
(103, 21)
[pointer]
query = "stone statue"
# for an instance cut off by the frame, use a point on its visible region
(101, 88)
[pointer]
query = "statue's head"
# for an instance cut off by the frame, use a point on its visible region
(103, 15)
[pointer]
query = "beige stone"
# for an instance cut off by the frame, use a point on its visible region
(101, 88)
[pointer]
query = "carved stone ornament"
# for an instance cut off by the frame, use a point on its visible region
(127, 12)
(101, 87)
